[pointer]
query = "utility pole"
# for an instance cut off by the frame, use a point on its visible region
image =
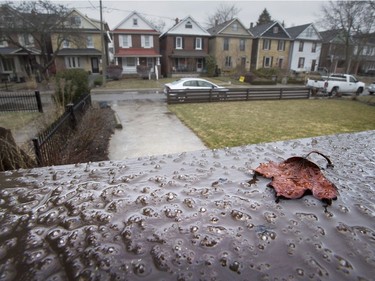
(104, 57)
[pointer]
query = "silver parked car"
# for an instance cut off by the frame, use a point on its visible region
(191, 84)
(371, 88)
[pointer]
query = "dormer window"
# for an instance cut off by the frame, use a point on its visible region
(188, 25)
(275, 29)
(135, 22)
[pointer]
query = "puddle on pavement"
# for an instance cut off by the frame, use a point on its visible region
(190, 216)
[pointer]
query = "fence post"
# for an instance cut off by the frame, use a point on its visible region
(38, 154)
(39, 101)
(247, 93)
(281, 93)
(69, 108)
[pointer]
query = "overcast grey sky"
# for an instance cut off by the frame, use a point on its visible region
(291, 12)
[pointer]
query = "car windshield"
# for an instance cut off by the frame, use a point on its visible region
(176, 82)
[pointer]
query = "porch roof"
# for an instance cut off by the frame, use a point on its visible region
(18, 51)
(189, 54)
(79, 52)
(137, 52)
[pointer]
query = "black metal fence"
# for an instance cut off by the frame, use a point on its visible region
(237, 94)
(49, 144)
(20, 101)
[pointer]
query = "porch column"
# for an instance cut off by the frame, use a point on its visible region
(157, 61)
(137, 61)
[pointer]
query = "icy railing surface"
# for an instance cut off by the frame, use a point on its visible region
(190, 216)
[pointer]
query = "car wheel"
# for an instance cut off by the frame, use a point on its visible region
(334, 92)
(371, 93)
(359, 91)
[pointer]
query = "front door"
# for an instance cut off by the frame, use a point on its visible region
(95, 65)
(199, 65)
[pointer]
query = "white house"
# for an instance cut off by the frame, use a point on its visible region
(305, 49)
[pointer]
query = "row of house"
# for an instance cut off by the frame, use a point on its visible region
(185, 46)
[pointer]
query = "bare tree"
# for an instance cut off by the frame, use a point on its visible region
(222, 14)
(351, 19)
(29, 25)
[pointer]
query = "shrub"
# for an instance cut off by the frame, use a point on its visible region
(211, 66)
(114, 72)
(71, 84)
(98, 81)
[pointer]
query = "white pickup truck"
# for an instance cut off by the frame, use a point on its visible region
(336, 84)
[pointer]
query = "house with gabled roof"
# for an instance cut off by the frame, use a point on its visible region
(305, 48)
(271, 45)
(184, 48)
(231, 44)
(80, 43)
(136, 45)
(18, 51)
(332, 55)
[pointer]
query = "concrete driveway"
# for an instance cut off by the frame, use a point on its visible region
(149, 128)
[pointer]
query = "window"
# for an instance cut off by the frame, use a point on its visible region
(72, 62)
(267, 62)
(242, 44)
(130, 62)
(147, 41)
(235, 26)
(310, 32)
(3, 43)
(266, 44)
(125, 41)
(179, 43)
(301, 62)
(26, 40)
(8, 64)
(301, 46)
(135, 22)
(188, 25)
(275, 29)
(313, 47)
(281, 61)
(198, 43)
(228, 61)
(75, 21)
(226, 44)
(66, 43)
(281, 45)
(90, 42)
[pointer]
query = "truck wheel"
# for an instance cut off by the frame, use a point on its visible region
(334, 92)
(359, 91)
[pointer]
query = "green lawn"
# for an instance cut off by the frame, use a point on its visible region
(240, 123)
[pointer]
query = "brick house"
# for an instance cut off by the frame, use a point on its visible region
(271, 45)
(231, 44)
(184, 48)
(136, 45)
(81, 46)
(305, 48)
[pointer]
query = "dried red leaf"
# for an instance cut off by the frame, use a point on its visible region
(296, 175)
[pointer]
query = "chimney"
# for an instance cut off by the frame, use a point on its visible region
(177, 20)
(216, 22)
(251, 25)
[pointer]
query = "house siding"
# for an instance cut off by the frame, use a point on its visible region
(273, 54)
(234, 52)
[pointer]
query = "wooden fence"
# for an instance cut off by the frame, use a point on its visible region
(49, 144)
(237, 94)
(20, 101)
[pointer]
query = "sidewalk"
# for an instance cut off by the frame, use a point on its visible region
(148, 126)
